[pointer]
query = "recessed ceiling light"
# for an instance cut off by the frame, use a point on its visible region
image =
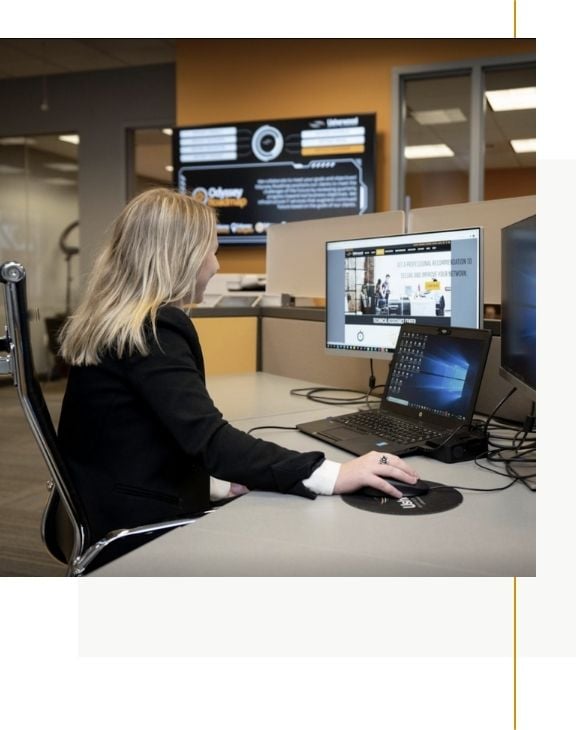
(523, 145)
(16, 141)
(70, 138)
(439, 116)
(10, 170)
(62, 166)
(61, 181)
(505, 100)
(167, 131)
(169, 168)
(425, 151)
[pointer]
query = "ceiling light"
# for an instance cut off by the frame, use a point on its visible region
(505, 100)
(439, 116)
(10, 170)
(425, 151)
(70, 138)
(523, 145)
(169, 168)
(167, 131)
(15, 141)
(61, 181)
(62, 166)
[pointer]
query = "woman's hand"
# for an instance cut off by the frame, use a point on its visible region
(370, 471)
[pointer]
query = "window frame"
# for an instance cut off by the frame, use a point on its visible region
(476, 69)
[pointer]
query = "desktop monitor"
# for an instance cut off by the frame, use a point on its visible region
(374, 285)
(518, 327)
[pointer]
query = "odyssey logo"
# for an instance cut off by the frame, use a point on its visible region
(219, 197)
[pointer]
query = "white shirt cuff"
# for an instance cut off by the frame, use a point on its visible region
(218, 489)
(323, 479)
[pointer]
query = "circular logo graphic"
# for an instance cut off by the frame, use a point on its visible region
(200, 194)
(360, 336)
(267, 143)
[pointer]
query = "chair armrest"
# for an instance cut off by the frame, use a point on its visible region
(82, 562)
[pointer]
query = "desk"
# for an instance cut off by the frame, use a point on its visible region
(266, 534)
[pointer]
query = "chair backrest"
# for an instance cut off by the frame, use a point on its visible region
(65, 513)
(65, 527)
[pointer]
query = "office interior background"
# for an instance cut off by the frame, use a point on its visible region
(86, 125)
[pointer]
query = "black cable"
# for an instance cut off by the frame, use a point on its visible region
(512, 440)
(372, 379)
(529, 423)
(432, 449)
(378, 399)
(364, 396)
(495, 489)
(491, 416)
(493, 457)
(281, 428)
(311, 394)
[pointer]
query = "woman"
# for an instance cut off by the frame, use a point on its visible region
(138, 430)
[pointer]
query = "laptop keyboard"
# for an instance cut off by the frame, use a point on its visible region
(389, 427)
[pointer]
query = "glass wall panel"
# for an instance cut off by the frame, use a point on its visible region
(152, 159)
(39, 229)
(437, 139)
(510, 132)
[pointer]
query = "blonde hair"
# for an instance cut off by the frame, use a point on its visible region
(159, 241)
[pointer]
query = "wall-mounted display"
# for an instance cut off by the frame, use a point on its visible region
(259, 173)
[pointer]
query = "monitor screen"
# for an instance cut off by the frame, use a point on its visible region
(374, 285)
(259, 173)
(438, 371)
(518, 329)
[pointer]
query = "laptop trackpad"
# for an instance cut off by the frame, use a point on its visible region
(340, 434)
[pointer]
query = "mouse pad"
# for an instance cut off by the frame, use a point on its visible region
(439, 499)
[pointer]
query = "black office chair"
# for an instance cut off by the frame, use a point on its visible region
(65, 527)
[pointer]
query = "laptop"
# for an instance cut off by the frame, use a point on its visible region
(431, 392)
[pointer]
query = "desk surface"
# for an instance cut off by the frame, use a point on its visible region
(265, 534)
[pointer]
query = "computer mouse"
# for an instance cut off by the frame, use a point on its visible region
(408, 490)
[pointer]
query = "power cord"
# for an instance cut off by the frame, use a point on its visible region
(431, 449)
(279, 428)
(313, 394)
(495, 411)
(363, 397)
(507, 448)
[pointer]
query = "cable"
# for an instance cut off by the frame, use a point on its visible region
(374, 405)
(280, 428)
(363, 397)
(520, 456)
(529, 423)
(491, 416)
(432, 449)
(372, 378)
(495, 489)
(509, 446)
(311, 394)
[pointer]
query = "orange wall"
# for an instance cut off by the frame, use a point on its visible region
(436, 188)
(443, 188)
(509, 183)
(222, 80)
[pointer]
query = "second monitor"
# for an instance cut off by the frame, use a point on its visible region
(374, 285)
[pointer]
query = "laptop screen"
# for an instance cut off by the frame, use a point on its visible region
(437, 374)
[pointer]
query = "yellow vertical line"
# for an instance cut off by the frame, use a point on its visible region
(514, 18)
(515, 649)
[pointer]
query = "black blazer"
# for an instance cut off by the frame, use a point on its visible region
(141, 436)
